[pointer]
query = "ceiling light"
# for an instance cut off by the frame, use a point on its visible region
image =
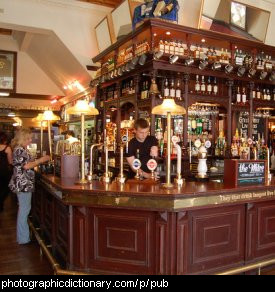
(11, 114)
(53, 101)
(203, 40)
(168, 33)
(4, 93)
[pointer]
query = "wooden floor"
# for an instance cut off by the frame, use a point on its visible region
(25, 259)
(18, 259)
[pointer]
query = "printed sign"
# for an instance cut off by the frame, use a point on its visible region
(152, 164)
(251, 173)
(136, 164)
(207, 144)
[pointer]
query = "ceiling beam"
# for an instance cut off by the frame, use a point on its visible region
(108, 3)
(26, 41)
(5, 31)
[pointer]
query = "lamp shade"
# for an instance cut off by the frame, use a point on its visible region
(168, 106)
(38, 118)
(50, 116)
(82, 107)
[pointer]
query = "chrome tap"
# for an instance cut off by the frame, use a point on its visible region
(121, 178)
(106, 177)
(90, 176)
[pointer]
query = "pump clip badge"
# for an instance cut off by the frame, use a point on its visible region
(152, 164)
(136, 164)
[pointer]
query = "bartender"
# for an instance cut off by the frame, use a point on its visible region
(70, 137)
(142, 147)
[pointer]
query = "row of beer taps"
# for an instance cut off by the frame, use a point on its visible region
(136, 164)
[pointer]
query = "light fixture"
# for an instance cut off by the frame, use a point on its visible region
(15, 124)
(168, 108)
(11, 115)
(168, 33)
(4, 94)
(82, 108)
(54, 101)
(154, 34)
(203, 40)
(134, 61)
(241, 71)
(74, 85)
(173, 59)
(203, 64)
(158, 55)
(49, 116)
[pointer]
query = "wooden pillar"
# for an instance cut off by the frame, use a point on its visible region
(186, 78)
(250, 125)
(230, 84)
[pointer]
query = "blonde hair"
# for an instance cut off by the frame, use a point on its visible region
(20, 137)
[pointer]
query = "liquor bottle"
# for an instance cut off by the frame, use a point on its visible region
(199, 126)
(244, 96)
(215, 87)
(178, 91)
(222, 57)
(264, 94)
(194, 125)
(203, 87)
(161, 46)
(172, 89)
(166, 47)
(254, 93)
(181, 49)
(214, 55)
(146, 89)
(238, 97)
(166, 88)
(209, 86)
(258, 93)
(197, 53)
(172, 48)
(268, 64)
(177, 44)
(197, 85)
(205, 125)
(202, 54)
(268, 95)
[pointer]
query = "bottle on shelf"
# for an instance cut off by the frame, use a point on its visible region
(215, 87)
(172, 89)
(161, 46)
(166, 88)
(209, 86)
(244, 97)
(238, 96)
(203, 86)
(197, 85)
(258, 93)
(197, 53)
(166, 47)
(178, 91)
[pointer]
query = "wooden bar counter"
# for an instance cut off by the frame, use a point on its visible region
(140, 228)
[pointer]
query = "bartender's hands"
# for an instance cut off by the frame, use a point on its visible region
(144, 174)
(154, 151)
(44, 159)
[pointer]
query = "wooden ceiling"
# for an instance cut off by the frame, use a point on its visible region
(108, 3)
(5, 31)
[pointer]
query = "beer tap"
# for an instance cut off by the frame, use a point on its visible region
(90, 175)
(179, 180)
(121, 178)
(106, 177)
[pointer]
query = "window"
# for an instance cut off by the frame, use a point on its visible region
(238, 15)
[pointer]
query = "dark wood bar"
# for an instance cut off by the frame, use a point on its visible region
(201, 228)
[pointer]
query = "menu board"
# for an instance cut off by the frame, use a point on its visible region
(251, 172)
(243, 124)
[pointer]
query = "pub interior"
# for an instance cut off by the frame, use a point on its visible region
(202, 76)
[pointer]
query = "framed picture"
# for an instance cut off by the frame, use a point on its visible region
(8, 62)
(122, 19)
(103, 35)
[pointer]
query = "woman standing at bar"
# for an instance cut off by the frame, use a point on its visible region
(22, 181)
(5, 168)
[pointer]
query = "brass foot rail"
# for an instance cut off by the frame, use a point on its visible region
(255, 266)
(45, 249)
